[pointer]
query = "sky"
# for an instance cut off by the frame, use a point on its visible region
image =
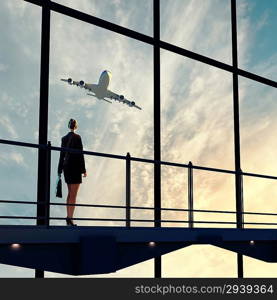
(196, 116)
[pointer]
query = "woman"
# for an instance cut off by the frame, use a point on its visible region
(73, 166)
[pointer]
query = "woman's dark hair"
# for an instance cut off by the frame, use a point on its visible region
(72, 124)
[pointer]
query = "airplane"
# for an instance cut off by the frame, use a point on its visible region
(100, 90)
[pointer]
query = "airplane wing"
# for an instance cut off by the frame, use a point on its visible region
(88, 86)
(93, 95)
(120, 98)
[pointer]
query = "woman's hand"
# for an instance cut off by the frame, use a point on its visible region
(85, 174)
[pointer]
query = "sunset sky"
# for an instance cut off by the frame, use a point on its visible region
(196, 116)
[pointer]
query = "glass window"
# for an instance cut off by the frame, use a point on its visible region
(140, 270)
(258, 268)
(197, 113)
(214, 191)
(257, 42)
(142, 193)
(258, 111)
(8, 271)
(259, 197)
(18, 182)
(104, 185)
(112, 128)
(199, 26)
(174, 195)
(133, 14)
(200, 261)
(19, 70)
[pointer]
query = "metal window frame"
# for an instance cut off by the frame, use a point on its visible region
(43, 174)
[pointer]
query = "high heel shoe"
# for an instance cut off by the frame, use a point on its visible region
(70, 222)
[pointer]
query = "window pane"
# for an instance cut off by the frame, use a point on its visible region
(200, 261)
(200, 26)
(259, 197)
(19, 104)
(197, 113)
(19, 70)
(144, 269)
(211, 192)
(258, 109)
(257, 42)
(257, 268)
(8, 271)
(133, 14)
(142, 193)
(18, 183)
(112, 128)
(214, 191)
(174, 195)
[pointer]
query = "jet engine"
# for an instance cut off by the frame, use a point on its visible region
(81, 83)
(69, 80)
(133, 103)
(121, 97)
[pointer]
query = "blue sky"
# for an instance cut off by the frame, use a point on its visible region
(196, 102)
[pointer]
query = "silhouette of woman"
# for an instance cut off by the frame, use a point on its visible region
(73, 166)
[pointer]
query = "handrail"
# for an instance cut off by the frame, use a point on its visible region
(132, 158)
(128, 158)
(141, 208)
(137, 220)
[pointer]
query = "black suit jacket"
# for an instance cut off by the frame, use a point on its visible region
(76, 161)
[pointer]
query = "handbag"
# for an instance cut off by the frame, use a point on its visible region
(59, 187)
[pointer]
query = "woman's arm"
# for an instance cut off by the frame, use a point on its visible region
(61, 160)
(82, 159)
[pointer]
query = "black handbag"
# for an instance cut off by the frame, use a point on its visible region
(59, 187)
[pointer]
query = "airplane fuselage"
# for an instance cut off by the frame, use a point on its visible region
(103, 83)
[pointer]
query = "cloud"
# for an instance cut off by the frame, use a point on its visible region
(197, 119)
(3, 67)
(7, 124)
(10, 157)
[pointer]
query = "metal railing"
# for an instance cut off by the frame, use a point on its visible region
(128, 207)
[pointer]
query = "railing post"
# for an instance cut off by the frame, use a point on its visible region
(47, 183)
(128, 189)
(240, 209)
(190, 194)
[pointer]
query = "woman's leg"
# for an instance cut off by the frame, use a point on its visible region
(72, 195)
(67, 199)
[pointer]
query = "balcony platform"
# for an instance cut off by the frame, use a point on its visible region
(84, 250)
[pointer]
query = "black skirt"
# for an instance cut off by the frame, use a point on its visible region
(71, 176)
